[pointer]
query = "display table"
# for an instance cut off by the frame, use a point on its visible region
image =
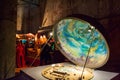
(35, 73)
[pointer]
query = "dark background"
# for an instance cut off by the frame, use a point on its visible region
(38, 13)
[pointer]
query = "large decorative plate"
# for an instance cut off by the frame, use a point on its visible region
(79, 40)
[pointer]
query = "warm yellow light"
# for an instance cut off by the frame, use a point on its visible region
(36, 38)
(41, 37)
(44, 36)
(17, 36)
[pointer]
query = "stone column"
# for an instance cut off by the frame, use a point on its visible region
(7, 38)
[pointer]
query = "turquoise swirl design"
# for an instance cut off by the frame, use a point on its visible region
(76, 36)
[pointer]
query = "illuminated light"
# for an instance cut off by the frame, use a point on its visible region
(92, 27)
(53, 65)
(51, 33)
(17, 36)
(89, 30)
(44, 36)
(36, 38)
(41, 37)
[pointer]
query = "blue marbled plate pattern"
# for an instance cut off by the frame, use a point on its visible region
(77, 38)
